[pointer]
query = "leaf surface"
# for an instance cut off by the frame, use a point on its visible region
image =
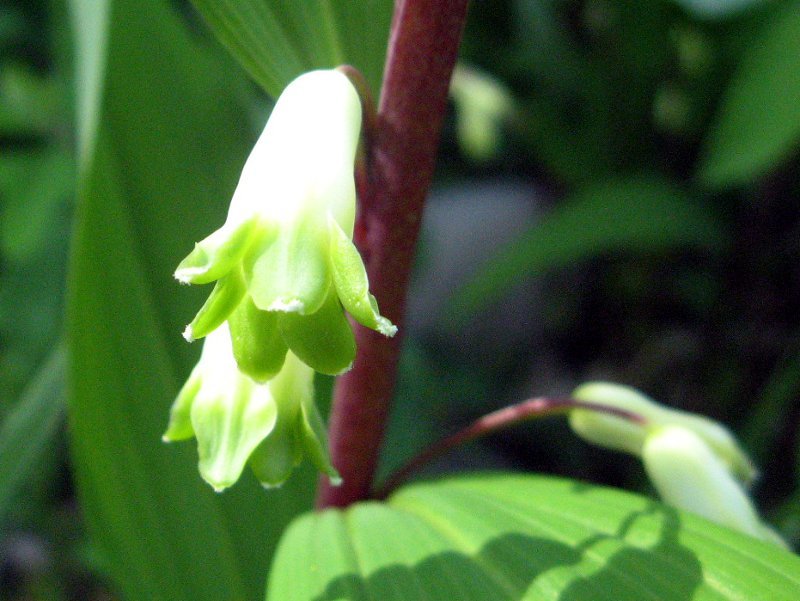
(642, 214)
(758, 123)
(520, 537)
(277, 40)
(29, 430)
(171, 137)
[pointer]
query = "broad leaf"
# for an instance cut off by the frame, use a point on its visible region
(277, 40)
(516, 537)
(641, 214)
(172, 136)
(758, 124)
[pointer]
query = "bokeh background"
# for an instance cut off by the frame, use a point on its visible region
(616, 198)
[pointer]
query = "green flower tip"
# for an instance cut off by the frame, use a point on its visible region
(286, 247)
(237, 420)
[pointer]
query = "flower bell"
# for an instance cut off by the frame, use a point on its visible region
(693, 462)
(624, 435)
(237, 420)
(284, 263)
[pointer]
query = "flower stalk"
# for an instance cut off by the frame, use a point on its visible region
(422, 51)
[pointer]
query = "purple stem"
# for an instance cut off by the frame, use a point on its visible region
(497, 420)
(422, 51)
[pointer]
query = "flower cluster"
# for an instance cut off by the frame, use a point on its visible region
(693, 462)
(285, 270)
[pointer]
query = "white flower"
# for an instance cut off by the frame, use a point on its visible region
(694, 463)
(283, 262)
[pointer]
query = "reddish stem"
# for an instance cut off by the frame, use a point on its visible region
(423, 45)
(502, 418)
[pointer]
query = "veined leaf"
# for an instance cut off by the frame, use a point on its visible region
(637, 214)
(517, 537)
(758, 124)
(277, 40)
(172, 135)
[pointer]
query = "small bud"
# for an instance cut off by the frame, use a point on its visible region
(694, 462)
(623, 435)
(689, 475)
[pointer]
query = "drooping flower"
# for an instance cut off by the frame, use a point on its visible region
(688, 474)
(694, 463)
(623, 435)
(284, 263)
(237, 420)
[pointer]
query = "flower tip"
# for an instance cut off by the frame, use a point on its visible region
(189, 275)
(272, 485)
(218, 484)
(335, 480)
(386, 327)
(294, 305)
(188, 334)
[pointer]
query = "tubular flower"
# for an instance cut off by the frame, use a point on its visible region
(693, 462)
(284, 263)
(623, 435)
(236, 420)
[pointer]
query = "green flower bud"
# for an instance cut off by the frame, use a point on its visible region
(624, 435)
(694, 463)
(285, 252)
(483, 105)
(237, 420)
(688, 474)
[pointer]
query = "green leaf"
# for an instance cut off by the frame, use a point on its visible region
(34, 186)
(517, 537)
(29, 429)
(635, 214)
(90, 21)
(172, 137)
(277, 40)
(758, 124)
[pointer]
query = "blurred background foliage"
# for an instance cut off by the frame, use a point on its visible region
(616, 198)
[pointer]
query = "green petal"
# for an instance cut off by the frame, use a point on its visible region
(282, 451)
(229, 427)
(277, 455)
(215, 255)
(258, 346)
(314, 437)
(291, 275)
(689, 475)
(180, 423)
(323, 340)
(224, 298)
(352, 285)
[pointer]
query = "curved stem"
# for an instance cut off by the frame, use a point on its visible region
(422, 51)
(502, 418)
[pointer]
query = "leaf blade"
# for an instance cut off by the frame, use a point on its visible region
(502, 536)
(640, 214)
(172, 134)
(276, 41)
(758, 123)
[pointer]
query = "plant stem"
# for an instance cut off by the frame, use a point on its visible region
(423, 45)
(502, 418)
